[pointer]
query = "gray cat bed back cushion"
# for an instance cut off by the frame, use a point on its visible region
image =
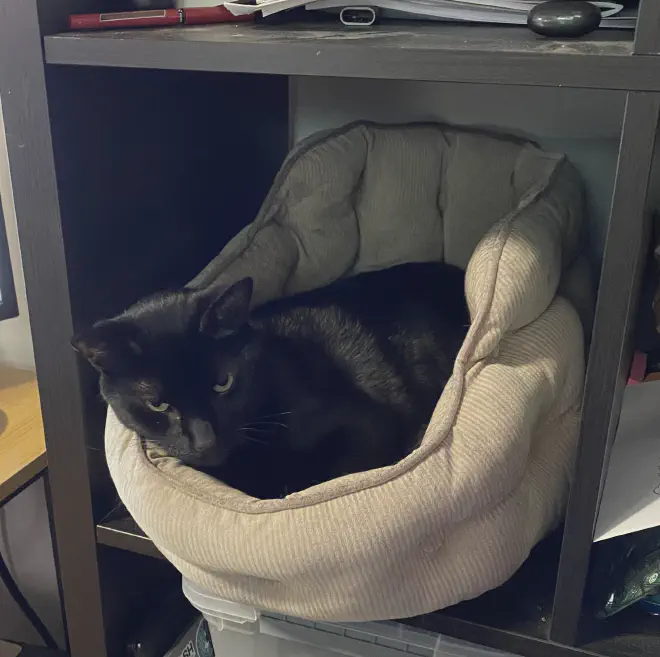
(460, 514)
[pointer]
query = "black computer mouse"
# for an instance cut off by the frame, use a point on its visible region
(564, 18)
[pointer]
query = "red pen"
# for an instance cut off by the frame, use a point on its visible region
(155, 18)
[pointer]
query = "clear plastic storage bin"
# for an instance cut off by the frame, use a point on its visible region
(242, 631)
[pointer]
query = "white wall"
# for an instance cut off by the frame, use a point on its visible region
(15, 339)
(24, 531)
(584, 124)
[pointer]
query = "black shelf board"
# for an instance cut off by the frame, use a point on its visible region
(123, 533)
(632, 632)
(33, 651)
(397, 50)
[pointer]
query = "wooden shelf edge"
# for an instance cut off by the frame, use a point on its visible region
(14, 484)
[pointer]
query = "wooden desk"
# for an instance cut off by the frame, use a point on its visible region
(22, 443)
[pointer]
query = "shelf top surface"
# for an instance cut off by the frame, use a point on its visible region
(408, 35)
(397, 50)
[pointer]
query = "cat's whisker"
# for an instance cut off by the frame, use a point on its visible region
(245, 433)
(253, 440)
(249, 427)
(265, 423)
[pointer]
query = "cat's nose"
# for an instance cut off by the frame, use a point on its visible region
(201, 435)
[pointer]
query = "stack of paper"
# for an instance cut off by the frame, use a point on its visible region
(631, 496)
(478, 11)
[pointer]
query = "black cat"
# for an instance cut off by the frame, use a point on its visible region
(299, 391)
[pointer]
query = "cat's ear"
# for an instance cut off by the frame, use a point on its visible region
(109, 346)
(229, 312)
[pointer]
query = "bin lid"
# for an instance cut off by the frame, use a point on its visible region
(211, 605)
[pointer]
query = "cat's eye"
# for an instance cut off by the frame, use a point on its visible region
(221, 388)
(159, 408)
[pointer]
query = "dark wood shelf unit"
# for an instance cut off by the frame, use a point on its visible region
(626, 249)
(98, 127)
(647, 40)
(31, 651)
(393, 51)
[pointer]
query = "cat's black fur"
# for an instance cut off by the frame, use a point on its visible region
(307, 388)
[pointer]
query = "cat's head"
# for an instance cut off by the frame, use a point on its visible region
(179, 369)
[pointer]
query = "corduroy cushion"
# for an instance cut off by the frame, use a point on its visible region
(460, 514)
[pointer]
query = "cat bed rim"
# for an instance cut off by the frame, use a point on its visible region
(465, 516)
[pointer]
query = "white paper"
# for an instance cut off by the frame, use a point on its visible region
(483, 11)
(266, 7)
(506, 12)
(631, 498)
(438, 9)
(238, 9)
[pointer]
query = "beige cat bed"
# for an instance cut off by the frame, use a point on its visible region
(460, 514)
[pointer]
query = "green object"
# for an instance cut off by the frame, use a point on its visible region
(641, 580)
(203, 640)
(626, 570)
